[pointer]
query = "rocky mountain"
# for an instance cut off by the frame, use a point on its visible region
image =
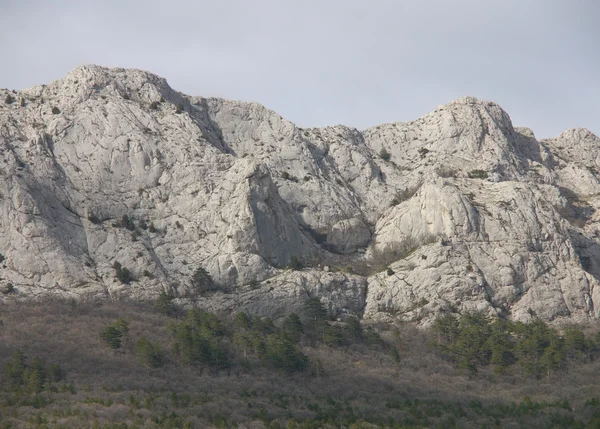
(114, 185)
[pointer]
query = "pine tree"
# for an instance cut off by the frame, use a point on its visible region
(501, 345)
(315, 311)
(14, 369)
(149, 354)
(292, 327)
(576, 345)
(113, 334)
(164, 304)
(55, 373)
(36, 376)
(202, 281)
(242, 321)
(354, 328)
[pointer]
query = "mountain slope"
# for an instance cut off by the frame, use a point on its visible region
(466, 211)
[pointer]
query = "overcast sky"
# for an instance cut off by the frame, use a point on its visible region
(326, 62)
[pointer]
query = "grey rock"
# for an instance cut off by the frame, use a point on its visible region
(455, 211)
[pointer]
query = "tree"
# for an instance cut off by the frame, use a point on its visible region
(292, 327)
(501, 345)
(198, 340)
(36, 376)
(113, 334)
(202, 280)
(164, 304)
(242, 320)
(148, 353)
(576, 345)
(14, 369)
(314, 310)
(354, 328)
(281, 353)
(55, 373)
(333, 336)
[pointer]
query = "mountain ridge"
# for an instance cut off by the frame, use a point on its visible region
(455, 211)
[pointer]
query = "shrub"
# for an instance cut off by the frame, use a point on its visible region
(8, 289)
(127, 223)
(9, 99)
(295, 264)
(383, 256)
(1, 258)
(123, 274)
(444, 171)
(94, 219)
(423, 152)
(55, 110)
(179, 108)
(405, 194)
(153, 105)
(478, 174)
(385, 155)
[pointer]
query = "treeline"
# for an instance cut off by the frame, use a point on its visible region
(474, 341)
(203, 340)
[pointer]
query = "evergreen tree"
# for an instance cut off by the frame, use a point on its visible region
(202, 281)
(242, 321)
(501, 345)
(281, 353)
(314, 311)
(164, 304)
(55, 373)
(113, 334)
(292, 327)
(576, 345)
(14, 369)
(198, 340)
(333, 336)
(36, 376)
(149, 354)
(354, 328)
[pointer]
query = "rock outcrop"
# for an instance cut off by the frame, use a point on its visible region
(113, 185)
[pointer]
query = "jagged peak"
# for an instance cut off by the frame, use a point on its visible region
(83, 81)
(578, 133)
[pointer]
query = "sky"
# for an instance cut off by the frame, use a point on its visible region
(328, 62)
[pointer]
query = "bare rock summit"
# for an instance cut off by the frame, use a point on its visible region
(113, 185)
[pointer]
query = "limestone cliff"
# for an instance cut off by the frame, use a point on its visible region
(455, 211)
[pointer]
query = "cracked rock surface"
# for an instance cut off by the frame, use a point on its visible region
(456, 211)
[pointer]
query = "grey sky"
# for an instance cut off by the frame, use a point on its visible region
(324, 62)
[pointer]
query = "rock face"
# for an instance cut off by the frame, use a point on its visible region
(455, 211)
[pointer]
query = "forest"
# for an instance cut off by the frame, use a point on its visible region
(132, 365)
